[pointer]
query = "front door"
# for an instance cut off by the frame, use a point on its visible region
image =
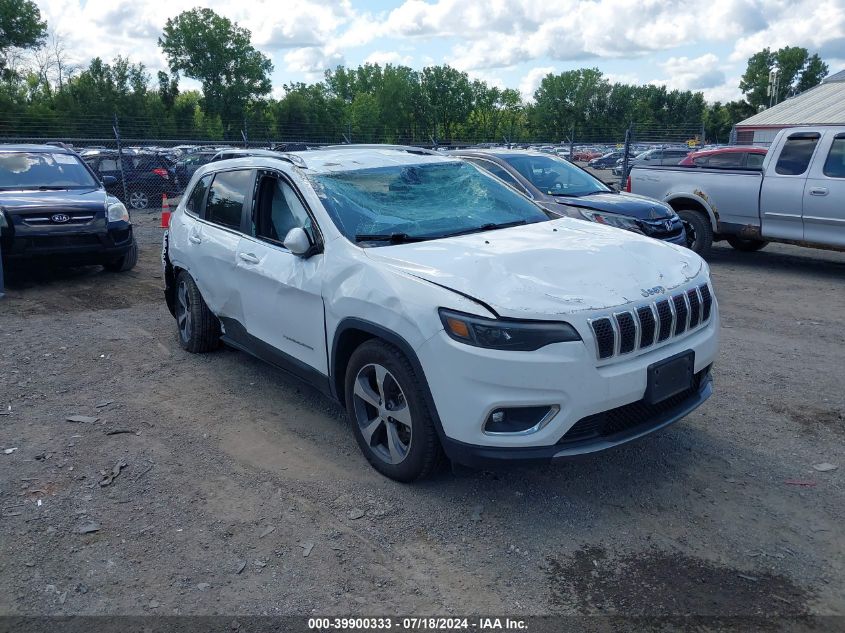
(281, 292)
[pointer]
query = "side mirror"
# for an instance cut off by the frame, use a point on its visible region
(108, 181)
(297, 242)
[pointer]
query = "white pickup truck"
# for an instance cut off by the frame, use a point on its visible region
(797, 196)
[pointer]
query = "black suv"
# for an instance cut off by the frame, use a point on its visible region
(148, 176)
(52, 206)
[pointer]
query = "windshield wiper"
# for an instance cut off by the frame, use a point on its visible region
(396, 238)
(491, 226)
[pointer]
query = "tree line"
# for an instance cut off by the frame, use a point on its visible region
(43, 95)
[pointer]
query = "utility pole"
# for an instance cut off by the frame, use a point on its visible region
(773, 88)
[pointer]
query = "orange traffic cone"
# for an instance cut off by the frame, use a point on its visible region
(165, 212)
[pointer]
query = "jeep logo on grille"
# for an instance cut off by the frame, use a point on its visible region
(60, 218)
(648, 292)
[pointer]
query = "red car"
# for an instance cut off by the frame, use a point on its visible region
(740, 157)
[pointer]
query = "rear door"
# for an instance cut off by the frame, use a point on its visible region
(282, 292)
(782, 193)
(824, 194)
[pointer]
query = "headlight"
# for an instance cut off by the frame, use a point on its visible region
(612, 219)
(503, 334)
(118, 213)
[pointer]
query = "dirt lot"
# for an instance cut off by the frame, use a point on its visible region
(240, 483)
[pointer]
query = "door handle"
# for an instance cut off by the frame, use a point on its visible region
(818, 191)
(249, 258)
(195, 239)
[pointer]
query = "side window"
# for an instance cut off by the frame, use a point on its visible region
(834, 166)
(702, 161)
(499, 172)
(108, 164)
(796, 154)
(727, 160)
(278, 210)
(754, 161)
(194, 204)
(226, 197)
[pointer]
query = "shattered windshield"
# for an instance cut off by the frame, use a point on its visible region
(417, 202)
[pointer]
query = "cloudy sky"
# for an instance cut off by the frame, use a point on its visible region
(687, 44)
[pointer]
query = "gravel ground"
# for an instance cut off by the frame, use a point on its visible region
(243, 491)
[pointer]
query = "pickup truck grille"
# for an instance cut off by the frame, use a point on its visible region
(624, 332)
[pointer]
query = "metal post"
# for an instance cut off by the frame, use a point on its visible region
(2, 285)
(572, 143)
(628, 134)
(702, 141)
(116, 129)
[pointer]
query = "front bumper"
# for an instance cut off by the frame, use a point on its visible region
(70, 247)
(469, 383)
(481, 456)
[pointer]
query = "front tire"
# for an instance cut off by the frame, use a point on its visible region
(745, 244)
(127, 262)
(698, 229)
(388, 413)
(199, 329)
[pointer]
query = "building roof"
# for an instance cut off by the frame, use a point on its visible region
(821, 105)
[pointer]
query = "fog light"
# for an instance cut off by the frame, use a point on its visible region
(519, 420)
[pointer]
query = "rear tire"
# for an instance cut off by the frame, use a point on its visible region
(199, 329)
(127, 262)
(699, 231)
(380, 384)
(745, 244)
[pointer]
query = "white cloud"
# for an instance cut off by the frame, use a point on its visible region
(531, 81)
(312, 60)
(388, 57)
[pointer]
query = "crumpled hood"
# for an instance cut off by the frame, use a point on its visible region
(629, 204)
(547, 269)
(41, 202)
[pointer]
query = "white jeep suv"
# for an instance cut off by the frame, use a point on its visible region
(446, 312)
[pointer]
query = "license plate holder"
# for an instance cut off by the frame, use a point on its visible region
(670, 377)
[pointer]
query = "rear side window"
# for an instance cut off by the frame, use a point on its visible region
(796, 154)
(194, 204)
(727, 160)
(834, 166)
(499, 172)
(226, 197)
(755, 161)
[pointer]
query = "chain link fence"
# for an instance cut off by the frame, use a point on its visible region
(146, 165)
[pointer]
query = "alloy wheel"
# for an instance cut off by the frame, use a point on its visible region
(183, 311)
(138, 200)
(382, 413)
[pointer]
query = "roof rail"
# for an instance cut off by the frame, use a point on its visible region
(411, 149)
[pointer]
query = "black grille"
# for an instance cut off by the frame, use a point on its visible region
(605, 338)
(694, 307)
(629, 418)
(664, 315)
(706, 300)
(647, 324)
(627, 332)
(681, 313)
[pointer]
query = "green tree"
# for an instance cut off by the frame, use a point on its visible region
(21, 26)
(217, 52)
(798, 71)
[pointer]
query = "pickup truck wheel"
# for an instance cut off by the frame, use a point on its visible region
(698, 229)
(389, 416)
(199, 329)
(127, 262)
(745, 244)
